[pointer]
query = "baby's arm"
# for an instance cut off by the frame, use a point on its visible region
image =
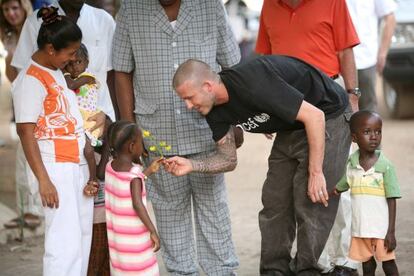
(74, 84)
(390, 241)
(138, 205)
(47, 190)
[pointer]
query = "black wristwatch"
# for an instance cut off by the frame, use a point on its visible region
(354, 91)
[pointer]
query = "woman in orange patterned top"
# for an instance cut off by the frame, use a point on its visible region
(50, 128)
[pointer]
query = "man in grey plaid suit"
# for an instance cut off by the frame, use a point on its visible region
(152, 39)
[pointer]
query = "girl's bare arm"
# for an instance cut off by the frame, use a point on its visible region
(138, 205)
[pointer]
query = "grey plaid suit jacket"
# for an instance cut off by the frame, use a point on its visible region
(146, 43)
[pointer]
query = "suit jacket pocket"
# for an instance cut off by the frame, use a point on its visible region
(145, 108)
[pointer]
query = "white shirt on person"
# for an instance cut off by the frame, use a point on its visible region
(97, 32)
(41, 96)
(365, 15)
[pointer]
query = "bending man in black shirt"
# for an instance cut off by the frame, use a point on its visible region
(307, 110)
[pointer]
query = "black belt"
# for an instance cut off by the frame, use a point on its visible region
(334, 77)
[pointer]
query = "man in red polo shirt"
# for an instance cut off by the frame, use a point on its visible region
(321, 33)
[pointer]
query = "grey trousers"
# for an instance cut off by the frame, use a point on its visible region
(173, 199)
(286, 206)
(367, 81)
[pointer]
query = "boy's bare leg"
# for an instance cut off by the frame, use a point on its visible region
(369, 267)
(390, 268)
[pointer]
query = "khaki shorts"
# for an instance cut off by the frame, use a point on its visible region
(362, 249)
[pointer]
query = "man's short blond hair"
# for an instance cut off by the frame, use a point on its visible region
(194, 70)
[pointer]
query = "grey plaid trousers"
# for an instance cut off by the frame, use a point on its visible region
(145, 43)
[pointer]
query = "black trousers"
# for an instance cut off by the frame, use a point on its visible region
(288, 211)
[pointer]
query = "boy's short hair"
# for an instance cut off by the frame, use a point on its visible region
(358, 116)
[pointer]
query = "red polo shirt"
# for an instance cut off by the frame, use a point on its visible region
(314, 31)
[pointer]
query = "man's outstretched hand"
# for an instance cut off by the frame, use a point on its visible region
(178, 166)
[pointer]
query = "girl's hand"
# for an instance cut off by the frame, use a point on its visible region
(48, 194)
(155, 241)
(390, 242)
(91, 188)
(154, 167)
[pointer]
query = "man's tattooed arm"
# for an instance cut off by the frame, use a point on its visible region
(223, 160)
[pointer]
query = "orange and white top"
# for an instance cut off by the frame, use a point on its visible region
(41, 96)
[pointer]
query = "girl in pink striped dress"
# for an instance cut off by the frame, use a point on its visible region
(132, 237)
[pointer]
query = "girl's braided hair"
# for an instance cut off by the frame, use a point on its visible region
(119, 133)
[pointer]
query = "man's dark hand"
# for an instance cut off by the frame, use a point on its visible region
(238, 136)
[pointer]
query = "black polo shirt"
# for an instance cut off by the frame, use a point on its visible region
(266, 93)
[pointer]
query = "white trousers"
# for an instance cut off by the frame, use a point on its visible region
(68, 229)
(337, 247)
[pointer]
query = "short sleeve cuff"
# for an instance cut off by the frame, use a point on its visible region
(123, 67)
(23, 118)
(390, 195)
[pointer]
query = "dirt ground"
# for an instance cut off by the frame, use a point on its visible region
(244, 191)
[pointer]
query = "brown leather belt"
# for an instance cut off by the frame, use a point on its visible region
(334, 77)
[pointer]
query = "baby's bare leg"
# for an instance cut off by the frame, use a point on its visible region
(90, 159)
(104, 153)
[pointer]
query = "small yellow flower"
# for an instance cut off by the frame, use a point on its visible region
(153, 148)
(146, 133)
(163, 144)
(167, 148)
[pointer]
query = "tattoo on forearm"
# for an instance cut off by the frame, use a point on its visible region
(223, 160)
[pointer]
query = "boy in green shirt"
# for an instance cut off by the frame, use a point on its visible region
(374, 188)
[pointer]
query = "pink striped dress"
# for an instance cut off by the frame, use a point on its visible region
(130, 246)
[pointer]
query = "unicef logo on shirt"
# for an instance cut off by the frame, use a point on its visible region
(254, 122)
(262, 118)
